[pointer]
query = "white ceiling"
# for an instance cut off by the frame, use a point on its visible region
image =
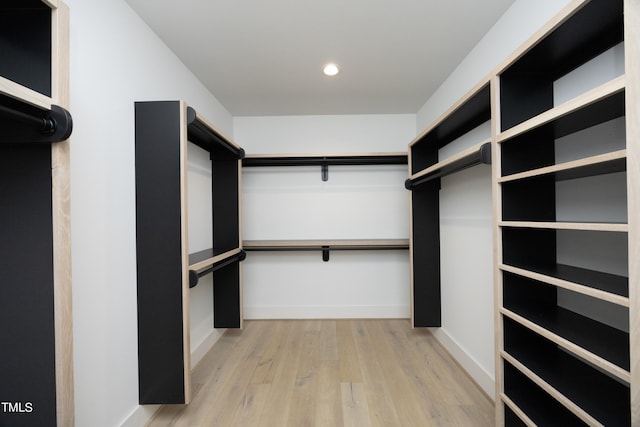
(265, 57)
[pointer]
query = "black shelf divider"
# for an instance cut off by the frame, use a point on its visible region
(481, 156)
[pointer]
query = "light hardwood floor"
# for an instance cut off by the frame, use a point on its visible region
(329, 373)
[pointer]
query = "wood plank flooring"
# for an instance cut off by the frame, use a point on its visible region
(329, 373)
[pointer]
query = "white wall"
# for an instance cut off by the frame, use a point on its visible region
(116, 60)
(357, 202)
(465, 201)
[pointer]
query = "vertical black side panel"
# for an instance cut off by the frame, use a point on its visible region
(158, 238)
(426, 254)
(27, 335)
(225, 201)
(226, 297)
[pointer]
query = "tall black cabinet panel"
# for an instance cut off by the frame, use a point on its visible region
(165, 268)
(36, 362)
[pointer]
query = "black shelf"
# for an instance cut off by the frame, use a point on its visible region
(614, 284)
(326, 245)
(25, 43)
(539, 406)
(593, 29)
(533, 200)
(329, 160)
(534, 148)
(604, 167)
(324, 161)
(536, 302)
(470, 114)
(603, 397)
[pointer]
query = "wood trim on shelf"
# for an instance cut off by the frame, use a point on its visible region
(572, 169)
(516, 409)
(296, 245)
(22, 93)
(632, 99)
(455, 107)
(565, 284)
(579, 226)
(333, 159)
(184, 252)
(216, 131)
(61, 215)
(200, 265)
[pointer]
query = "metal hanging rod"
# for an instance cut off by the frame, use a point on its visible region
(54, 125)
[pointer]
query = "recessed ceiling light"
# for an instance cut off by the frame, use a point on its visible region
(331, 69)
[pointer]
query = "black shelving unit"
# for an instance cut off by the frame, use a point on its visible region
(36, 361)
(165, 268)
(425, 172)
(558, 364)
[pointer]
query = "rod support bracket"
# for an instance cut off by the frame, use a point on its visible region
(325, 253)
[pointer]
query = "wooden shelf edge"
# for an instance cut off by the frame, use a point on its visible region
(562, 167)
(266, 245)
(549, 389)
(463, 100)
(579, 226)
(319, 159)
(601, 92)
(214, 260)
(604, 364)
(516, 410)
(215, 130)
(24, 94)
(565, 284)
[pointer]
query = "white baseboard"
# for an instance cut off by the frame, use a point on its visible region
(329, 312)
(143, 413)
(140, 416)
(483, 378)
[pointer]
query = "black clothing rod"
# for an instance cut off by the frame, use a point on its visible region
(195, 275)
(54, 125)
(44, 124)
(482, 156)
